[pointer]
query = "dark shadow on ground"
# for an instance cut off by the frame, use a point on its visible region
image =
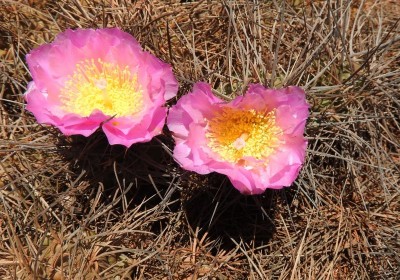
(145, 170)
(229, 217)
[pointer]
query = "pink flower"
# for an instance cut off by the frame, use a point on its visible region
(256, 139)
(90, 78)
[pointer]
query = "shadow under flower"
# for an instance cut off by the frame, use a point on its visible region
(143, 172)
(229, 217)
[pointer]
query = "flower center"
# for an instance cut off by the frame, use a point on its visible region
(103, 86)
(235, 134)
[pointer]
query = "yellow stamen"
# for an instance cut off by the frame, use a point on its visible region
(235, 134)
(103, 86)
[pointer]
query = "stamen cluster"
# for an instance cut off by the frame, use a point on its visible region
(235, 134)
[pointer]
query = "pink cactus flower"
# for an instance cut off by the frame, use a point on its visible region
(89, 78)
(256, 139)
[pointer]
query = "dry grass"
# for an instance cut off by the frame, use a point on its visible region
(77, 208)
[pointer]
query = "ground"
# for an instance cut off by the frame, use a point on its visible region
(78, 208)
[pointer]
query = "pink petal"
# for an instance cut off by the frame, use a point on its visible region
(73, 124)
(126, 132)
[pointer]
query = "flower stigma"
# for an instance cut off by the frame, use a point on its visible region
(235, 134)
(104, 86)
